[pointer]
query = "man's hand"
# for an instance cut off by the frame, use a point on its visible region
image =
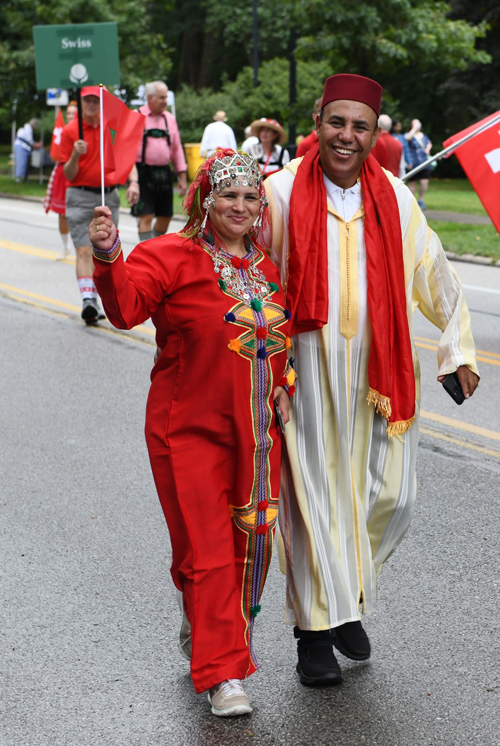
(79, 148)
(102, 230)
(133, 192)
(182, 183)
(284, 403)
(468, 380)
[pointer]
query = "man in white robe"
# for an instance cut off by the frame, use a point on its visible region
(349, 483)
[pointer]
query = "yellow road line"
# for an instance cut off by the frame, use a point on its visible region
(36, 296)
(458, 425)
(479, 356)
(459, 442)
(34, 251)
(20, 294)
(434, 343)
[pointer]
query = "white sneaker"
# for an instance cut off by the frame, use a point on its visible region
(228, 699)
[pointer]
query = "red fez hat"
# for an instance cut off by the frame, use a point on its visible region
(353, 88)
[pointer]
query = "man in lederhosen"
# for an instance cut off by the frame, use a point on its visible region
(161, 144)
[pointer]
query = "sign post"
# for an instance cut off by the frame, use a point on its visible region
(75, 55)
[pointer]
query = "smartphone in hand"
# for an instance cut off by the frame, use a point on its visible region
(279, 416)
(451, 385)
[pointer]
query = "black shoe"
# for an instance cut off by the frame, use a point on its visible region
(90, 312)
(351, 640)
(317, 664)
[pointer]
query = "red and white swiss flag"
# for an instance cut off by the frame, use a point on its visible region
(480, 159)
(56, 137)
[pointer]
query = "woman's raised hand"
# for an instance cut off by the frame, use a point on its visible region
(102, 230)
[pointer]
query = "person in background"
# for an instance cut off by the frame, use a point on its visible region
(55, 196)
(218, 134)
(420, 150)
(23, 145)
(387, 150)
(161, 145)
(312, 138)
(82, 168)
(221, 326)
(269, 151)
(397, 132)
(249, 139)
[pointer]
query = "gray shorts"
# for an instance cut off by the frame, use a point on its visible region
(80, 211)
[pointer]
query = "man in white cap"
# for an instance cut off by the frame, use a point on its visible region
(217, 134)
(357, 257)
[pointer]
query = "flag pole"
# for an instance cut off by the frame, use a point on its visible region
(452, 147)
(101, 143)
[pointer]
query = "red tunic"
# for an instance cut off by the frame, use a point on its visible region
(210, 430)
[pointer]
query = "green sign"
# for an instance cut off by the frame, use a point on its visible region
(76, 55)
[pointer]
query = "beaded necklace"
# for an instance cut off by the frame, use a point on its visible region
(238, 275)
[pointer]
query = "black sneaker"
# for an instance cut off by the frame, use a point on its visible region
(351, 640)
(90, 311)
(317, 664)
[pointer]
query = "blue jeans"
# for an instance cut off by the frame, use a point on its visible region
(22, 157)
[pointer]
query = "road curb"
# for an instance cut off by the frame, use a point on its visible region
(466, 258)
(471, 259)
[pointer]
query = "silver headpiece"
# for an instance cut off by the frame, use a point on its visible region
(236, 170)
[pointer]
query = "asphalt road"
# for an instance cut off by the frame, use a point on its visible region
(88, 619)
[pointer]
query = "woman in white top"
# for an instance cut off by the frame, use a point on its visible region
(268, 152)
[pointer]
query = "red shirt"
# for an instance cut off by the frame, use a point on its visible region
(388, 152)
(89, 164)
(307, 143)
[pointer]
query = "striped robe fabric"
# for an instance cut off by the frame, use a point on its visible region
(348, 489)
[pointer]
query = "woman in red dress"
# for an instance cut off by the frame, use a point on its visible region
(211, 427)
(55, 196)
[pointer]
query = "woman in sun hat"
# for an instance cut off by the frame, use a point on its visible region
(269, 151)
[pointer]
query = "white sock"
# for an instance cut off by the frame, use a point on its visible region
(87, 288)
(156, 234)
(65, 241)
(145, 235)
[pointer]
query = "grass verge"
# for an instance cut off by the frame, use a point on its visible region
(453, 195)
(479, 240)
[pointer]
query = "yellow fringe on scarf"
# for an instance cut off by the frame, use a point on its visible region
(398, 428)
(383, 405)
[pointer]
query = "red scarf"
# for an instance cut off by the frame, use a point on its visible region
(391, 375)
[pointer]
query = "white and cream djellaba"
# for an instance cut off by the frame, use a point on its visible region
(348, 488)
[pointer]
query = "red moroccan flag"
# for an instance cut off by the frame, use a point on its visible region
(56, 137)
(480, 159)
(122, 134)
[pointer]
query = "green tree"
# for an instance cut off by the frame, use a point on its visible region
(382, 36)
(243, 103)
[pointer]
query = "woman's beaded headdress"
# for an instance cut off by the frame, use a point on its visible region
(239, 169)
(224, 169)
